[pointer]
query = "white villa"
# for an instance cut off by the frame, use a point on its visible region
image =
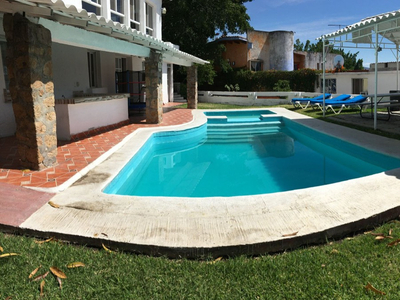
(59, 61)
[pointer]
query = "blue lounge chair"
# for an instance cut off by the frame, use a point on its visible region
(299, 102)
(355, 101)
(342, 97)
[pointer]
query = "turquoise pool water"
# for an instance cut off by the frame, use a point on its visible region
(243, 158)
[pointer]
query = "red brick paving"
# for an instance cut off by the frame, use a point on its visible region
(78, 153)
(18, 203)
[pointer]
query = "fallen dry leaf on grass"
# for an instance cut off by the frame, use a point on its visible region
(42, 288)
(43, 276)
(8, 254)
(382, 237)
(1, 249)
(215, 260)
(394, 243)
(105, 248)
(59, 282)
(75, 265)
(34, 272)
(45, 241)
(376, 291)
(57, 272)
(376, 234)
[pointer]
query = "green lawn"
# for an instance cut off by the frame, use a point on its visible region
(336, 270)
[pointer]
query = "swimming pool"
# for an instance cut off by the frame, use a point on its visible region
(243, 158)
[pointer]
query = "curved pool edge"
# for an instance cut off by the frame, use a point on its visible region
(218, 226)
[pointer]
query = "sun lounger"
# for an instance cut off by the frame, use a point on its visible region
(330, 104)
(299, 102)
(342, 97)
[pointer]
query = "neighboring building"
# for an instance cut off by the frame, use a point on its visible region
(312, 60)
(62, 58)
(384, 66)
(270, 50)
(236, 50)
(263, 51)
(260, 51)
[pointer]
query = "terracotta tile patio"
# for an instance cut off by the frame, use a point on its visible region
(74, 155)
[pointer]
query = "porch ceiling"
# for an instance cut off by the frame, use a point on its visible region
(53, 13)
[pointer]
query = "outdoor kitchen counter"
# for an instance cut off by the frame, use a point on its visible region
(90, 98)
(81, 114)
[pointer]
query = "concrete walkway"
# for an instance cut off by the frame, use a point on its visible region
(193, 227)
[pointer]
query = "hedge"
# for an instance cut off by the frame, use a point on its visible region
(299, 80)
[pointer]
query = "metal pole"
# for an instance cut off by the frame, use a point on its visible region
(397, 65)
(323, 76)
(376, 76)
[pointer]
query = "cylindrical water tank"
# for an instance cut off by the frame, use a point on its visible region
(281, 51)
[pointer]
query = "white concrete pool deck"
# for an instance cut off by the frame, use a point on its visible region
(220, 226)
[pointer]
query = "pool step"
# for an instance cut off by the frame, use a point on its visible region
(223, 119)
(240, 132)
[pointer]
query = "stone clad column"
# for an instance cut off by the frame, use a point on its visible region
(192, 87)
(29, 64)
(154, 100)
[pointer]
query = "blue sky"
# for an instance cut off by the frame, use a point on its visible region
(309, 19)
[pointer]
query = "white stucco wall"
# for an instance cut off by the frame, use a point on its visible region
(165, 83)
(70, 70)
(77, 118)
(107, 65)
(7, 120)
(386, 81)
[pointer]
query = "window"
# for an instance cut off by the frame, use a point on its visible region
(135, 14)
(94, 69)
(117, 10)
(120, 64)
(92, 6)
(256, 65)
(149, 20)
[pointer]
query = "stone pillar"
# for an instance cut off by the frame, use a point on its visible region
(29, 64)
(154, 100)
(192, 87)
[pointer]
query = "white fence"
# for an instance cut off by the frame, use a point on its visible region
(251, 98)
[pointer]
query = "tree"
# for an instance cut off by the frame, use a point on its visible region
(350, 59)
(191, 24)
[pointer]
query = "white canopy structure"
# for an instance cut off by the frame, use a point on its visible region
(377, 33)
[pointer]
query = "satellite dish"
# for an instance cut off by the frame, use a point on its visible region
(338, 61)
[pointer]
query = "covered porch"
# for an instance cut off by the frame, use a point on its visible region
(59, 40)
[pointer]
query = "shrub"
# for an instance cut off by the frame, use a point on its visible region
(299, 80)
